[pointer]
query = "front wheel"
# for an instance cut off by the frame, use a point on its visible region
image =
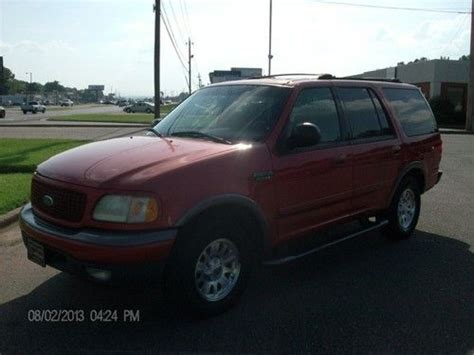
(210, 267)
(24, 112)
(404, 210)
(148, 110)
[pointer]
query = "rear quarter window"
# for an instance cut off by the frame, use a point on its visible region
(412, 111)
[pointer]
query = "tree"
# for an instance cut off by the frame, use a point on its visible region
(53, 86)
(465, 58)
(34, 88)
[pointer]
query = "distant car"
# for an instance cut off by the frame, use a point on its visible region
(109, 102)
(66, 103)
(140, 107)
(2, 112)
(122, 103)
(33, 107)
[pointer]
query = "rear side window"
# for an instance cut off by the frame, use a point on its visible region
(412, 111)
(361, 111)
(317, 106)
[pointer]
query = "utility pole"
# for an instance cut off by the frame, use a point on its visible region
(270, 56)
(190, 56)
(470, 92)
(157, 9)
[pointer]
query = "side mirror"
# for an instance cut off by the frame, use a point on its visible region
(304, 135)
(155, 122)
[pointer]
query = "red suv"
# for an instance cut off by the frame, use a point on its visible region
(235, 171)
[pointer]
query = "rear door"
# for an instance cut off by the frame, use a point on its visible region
(419, 127)
(376, 150)
(314, 184)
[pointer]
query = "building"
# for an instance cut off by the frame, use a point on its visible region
(445, 78)
(218, 76)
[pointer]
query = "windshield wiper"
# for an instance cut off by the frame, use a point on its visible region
(197, 134)
(155, 132)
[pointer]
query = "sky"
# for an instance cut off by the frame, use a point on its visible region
(110, 42)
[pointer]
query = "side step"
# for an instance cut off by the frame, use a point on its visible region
(375, 226)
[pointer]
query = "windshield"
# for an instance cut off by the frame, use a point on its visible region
(233, 113)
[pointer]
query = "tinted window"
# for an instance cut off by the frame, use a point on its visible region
(317, 106)
(383, 119)
(360, 111)
(412, 110)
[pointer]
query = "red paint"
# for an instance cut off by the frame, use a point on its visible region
(308, 190)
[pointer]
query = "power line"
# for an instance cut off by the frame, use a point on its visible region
(174, 45)
(458, 31)
(175, 18)
(185, 17)
(392, 7)
(171, 28)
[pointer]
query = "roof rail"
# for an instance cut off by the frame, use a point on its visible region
(388, 80)
(292, 74)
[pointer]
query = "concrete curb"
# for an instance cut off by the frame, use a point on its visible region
(61, 125)
(10, 217)
(455, 131)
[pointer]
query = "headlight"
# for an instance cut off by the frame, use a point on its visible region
(126, 209)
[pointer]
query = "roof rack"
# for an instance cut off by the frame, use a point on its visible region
(388, 80)
(320, 76)
(327, 77)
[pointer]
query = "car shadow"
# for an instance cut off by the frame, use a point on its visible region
(367, 295)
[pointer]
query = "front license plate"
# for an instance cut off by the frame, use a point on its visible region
(35, 252)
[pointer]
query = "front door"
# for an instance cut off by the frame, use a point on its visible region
(313, 184)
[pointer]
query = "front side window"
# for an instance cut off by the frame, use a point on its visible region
(317, 106)
(412, 111)
(232, 112)
(361, 112)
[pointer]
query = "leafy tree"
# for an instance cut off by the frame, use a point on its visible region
(34, 88)
(53, 86)
(465, 58)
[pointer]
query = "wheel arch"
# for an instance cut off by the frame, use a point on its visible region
(233, 204)
(414, 169)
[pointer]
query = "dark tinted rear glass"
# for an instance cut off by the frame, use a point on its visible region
(360, 111)
(412, 110)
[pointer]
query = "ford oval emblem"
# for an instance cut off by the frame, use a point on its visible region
(48, 201)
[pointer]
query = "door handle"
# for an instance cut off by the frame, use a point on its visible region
(396, 149)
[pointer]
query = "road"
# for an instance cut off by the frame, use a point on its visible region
(366, 296)
(15, 115)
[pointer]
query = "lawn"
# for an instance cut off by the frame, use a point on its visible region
(23, 155)
(14, 191)
(107, 117)
(18, 160)
(145, 118)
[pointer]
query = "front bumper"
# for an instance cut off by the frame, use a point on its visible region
(81, 250)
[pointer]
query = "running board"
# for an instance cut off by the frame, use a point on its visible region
(309, 252)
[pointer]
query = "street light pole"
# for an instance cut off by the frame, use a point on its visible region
(270, 56)
(31, 76)
(157, 8)
(470, 90)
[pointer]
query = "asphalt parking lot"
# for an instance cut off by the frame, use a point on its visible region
(368, 295)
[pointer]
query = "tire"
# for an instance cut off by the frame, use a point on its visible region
(148, 110)
(195, 279)
(34, 112)
(24, 112)
(2, 114)
(44, 110)
(128, 110)
(404, 210)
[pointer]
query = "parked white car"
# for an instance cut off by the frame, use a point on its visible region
(33, 107)
(66, 103)
(140, 107)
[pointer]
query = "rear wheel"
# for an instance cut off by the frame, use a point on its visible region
(24, 112)
(404, 210)
(210, 267)
(148, 110)
(34, 111)
(128, 110)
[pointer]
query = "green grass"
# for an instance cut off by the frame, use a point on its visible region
(14, 191)
(107, 117)
(121, 117)
(18, 161)
(23, 155)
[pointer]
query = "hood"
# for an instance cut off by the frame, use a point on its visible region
(132, 160)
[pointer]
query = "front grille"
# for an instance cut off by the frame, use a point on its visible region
(66, 204)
